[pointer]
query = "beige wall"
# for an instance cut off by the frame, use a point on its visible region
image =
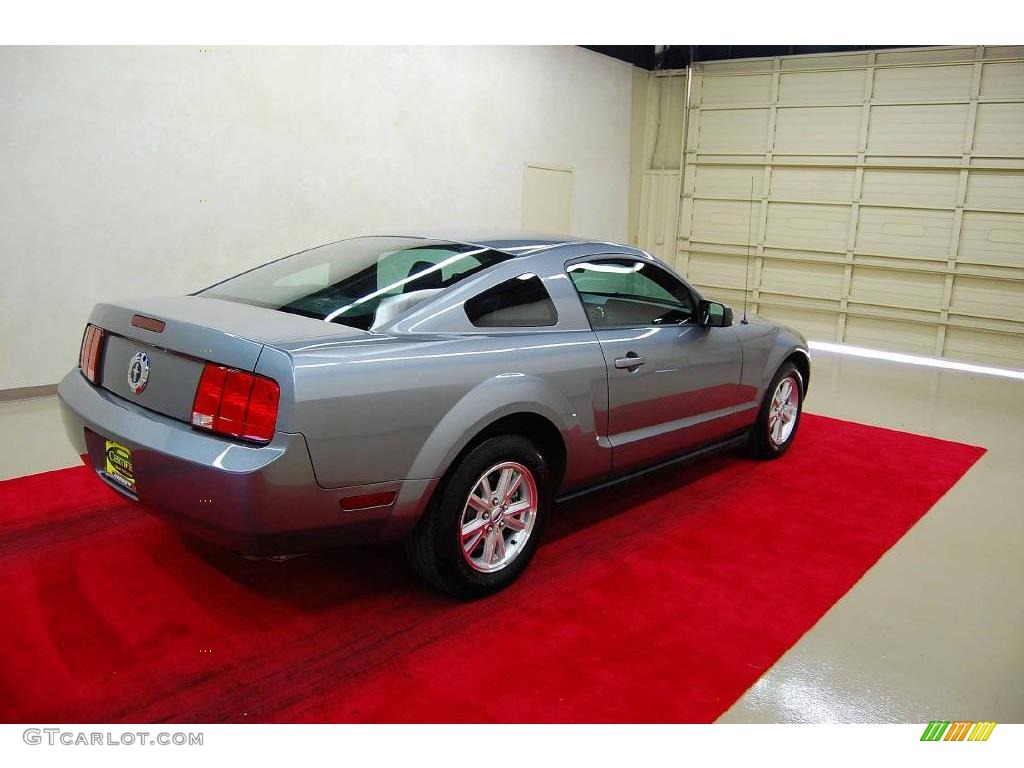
(144, 171)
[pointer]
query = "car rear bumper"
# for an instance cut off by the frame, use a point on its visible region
(260, 500)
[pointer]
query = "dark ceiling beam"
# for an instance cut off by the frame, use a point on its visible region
(679, 56)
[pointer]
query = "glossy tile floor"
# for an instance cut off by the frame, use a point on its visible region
(935, 630)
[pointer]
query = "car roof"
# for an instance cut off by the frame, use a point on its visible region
(521, 243)
(511, 240)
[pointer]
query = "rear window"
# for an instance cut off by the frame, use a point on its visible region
(364, 282)
(522, 302)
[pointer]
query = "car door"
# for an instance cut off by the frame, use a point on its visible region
(673, 384)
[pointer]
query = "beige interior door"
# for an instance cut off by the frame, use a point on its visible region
(548, 196)
(888, 194)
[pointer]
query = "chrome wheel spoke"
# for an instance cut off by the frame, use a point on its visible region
(514, 486)
(515, 524)
(489, 544)
(480, 505)
(474, 541)
(474, 525)
(499, 544)
(504, 480)
(485, 488)
(514, 510)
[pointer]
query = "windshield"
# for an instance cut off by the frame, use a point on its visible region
(363, 282)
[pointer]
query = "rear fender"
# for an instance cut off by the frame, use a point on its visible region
(493, 399)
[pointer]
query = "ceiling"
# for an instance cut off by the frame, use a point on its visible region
(656, 57)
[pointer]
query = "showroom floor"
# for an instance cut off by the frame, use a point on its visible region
(924, 635)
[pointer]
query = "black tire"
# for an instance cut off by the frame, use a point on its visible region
(761, 444)
(434, 547)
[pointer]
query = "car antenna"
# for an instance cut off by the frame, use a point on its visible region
(746, 270)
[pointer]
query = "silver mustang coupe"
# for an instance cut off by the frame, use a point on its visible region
(442, 390)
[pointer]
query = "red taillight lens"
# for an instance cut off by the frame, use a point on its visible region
(236, 403)
(92, 349)
(207, 401)
(261, 415)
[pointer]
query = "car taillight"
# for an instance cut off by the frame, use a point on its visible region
(235, 403)
(92, 350)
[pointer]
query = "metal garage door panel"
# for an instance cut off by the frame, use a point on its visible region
(924, 83)
(879, 333)
(815, 325)
(1000, 130)
(995, 348)
(841, 86)
(823, 62)
(992, 238)
(817, 129)
(889, 185)
(986, 297)
(733, 130)
(717, 270)
(902, 186)
(883, 287)
(827, 185)
(926, 56)
(813, 227)
(996, 189)
(734, 298)
(1004, 52)
(736, 89)
(723, 221)
(934, 129)
(905, 232)
(823, 281)
(723, 181)
(1003, 79)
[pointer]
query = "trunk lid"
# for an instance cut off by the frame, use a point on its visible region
(195, 330)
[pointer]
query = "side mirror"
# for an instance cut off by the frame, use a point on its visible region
(712, 314)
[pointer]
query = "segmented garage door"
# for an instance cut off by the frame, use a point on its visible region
(888, 194)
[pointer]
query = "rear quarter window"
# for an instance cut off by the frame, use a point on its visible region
(522, 302)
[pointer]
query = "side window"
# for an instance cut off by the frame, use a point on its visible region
(626, 292)
(522, 302)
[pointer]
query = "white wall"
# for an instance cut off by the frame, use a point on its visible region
(107, 155)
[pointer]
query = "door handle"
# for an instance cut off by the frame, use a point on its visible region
(630, 362)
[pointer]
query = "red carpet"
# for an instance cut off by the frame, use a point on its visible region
(662, 600)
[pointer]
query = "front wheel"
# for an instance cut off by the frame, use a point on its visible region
(485, 526)
(779, 416)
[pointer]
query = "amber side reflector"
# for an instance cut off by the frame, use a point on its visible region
(352, 503)
(91, 352)
(148, 323)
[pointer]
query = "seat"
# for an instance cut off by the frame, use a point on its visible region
(428, 281)
(391, 307)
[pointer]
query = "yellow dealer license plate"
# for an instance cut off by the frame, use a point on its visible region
(119, 465)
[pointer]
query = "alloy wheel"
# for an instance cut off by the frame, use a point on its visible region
(498, 516)
(783, 411)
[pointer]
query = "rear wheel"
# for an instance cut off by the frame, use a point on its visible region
(779, 416)
(484, 527)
